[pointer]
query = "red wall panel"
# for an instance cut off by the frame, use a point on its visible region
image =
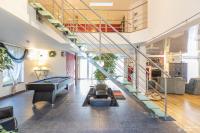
(70, 64)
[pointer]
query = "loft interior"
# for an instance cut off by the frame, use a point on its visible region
(102, 66)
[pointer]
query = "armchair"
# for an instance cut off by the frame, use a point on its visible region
(100, 96)
(193, 87)
(7, 120)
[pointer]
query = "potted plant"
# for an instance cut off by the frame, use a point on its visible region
(108, 60)
(5, 63)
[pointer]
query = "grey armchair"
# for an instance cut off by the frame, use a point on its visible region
(7, 120)
(193, 87)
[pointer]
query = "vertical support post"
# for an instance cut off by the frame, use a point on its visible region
(100, 36)
(147, 83)
(62, 6)
(76, 69)
(53, 2)
(88, 66)
(165, 100)
(136, 71)
(166, 67)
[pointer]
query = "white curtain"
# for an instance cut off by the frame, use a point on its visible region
(16, 74)
(191, 56)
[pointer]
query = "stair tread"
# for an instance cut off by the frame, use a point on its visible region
(141, 97)
(126, 83)
(150, 105)
(158, 112)
(37, 6)
(46, 13)
(54, 21)
(130, 88)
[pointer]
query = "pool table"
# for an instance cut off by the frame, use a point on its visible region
(48, 88)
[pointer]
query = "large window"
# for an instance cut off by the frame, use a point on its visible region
(83, 67)
(191, 57)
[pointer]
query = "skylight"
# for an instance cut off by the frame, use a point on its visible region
(101, 3)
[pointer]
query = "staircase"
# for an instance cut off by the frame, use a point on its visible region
(139, 86)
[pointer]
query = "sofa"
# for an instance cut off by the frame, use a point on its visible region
(7, 120)
(175, 85)
(193, 87)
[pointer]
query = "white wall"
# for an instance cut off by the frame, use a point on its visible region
(56, 65)
(40, 35)
(164, 14)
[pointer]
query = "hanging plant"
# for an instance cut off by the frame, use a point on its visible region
(108, 60)
(5, 60)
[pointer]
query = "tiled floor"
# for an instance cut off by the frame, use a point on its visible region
(68, 115)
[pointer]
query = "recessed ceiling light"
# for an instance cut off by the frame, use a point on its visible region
(101, 3)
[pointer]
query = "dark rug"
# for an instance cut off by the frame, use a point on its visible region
(118, 95)
(90, 93)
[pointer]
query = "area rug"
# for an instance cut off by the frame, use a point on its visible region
(118, 95)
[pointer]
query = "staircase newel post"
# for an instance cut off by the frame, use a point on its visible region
(147, 83)
(53, 2)
(62, 6)
(165, 100)
(136, 71)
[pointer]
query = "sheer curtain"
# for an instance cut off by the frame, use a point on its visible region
(15, 75)
(191, 57)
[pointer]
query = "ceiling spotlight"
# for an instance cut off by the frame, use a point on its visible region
(101, 3)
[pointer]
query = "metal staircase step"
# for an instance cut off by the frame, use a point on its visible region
(72, 37)
(126, 83)
(117, 76)
(37, 6)
(130, 88)
(46, 14)
(63, 29)
(141, 97)
(158, 112)
(55, 22)
(150, 105)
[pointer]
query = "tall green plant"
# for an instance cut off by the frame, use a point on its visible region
(108, 59)
(5, 61)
